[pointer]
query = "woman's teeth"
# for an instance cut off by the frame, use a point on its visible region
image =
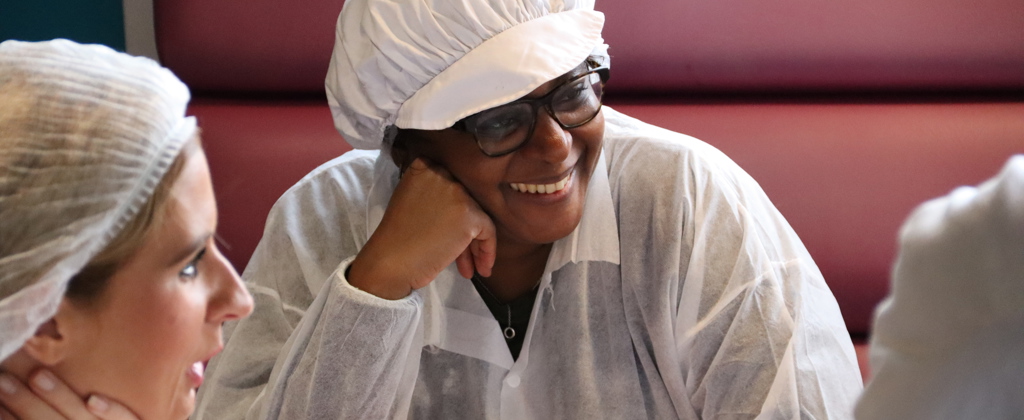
(541, 188)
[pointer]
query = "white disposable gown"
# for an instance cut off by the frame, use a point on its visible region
(683, 293)
(948, 343)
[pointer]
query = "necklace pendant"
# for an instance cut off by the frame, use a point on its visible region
(509, 333)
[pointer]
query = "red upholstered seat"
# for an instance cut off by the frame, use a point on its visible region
(807, 45)
(257, 150)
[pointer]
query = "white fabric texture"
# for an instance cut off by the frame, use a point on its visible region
(86, 133)
(426, 64)
(683, 293)
(947, 343)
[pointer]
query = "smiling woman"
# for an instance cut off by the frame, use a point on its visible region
(113, 290)
(517, 250)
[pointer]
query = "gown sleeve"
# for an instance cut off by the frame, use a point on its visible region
(739, 319)
(343, 359)
(759, 332)
(314, 346)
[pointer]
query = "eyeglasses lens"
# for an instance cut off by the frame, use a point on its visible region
(504, 129)
(576, 102)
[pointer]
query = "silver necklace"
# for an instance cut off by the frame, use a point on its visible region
(508, 332)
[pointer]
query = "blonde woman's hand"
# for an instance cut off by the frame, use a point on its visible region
(430, 222)
(48, 398)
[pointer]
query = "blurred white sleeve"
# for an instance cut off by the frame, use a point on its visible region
(947, 342)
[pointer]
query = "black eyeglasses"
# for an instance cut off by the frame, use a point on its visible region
(504, 129)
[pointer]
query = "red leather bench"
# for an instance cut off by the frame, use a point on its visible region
(848, 113)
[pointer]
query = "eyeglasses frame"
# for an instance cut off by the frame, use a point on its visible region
(601, 68)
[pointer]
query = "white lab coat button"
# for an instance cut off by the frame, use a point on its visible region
(512, 380)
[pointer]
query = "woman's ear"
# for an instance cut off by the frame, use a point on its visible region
(401, 154)
(51, 344)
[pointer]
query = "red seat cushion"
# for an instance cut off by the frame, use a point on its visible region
(257, 150)
(751, 45)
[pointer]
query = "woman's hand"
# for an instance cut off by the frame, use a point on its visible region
(48, 398)
(430, 221)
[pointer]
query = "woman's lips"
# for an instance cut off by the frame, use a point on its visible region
(541, 188)
(196, 371)
(195, 374)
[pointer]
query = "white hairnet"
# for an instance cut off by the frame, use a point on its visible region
(426, 64)
(86, 133)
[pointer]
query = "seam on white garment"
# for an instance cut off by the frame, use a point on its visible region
(785, 382)
(551, 296)
(794, 314)
(255, 288)
(719, 307)
(548, 287)
(728, 298)
(336, 163)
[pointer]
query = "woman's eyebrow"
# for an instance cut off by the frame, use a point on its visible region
(580, 69)
(187, 251)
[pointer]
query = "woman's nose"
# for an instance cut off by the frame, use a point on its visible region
(549, 142)
(230, 299)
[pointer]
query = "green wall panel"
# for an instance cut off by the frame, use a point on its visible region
(84, 21)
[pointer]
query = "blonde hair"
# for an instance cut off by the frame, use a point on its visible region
(91, 281)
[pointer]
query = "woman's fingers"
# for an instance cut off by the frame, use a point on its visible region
(430, 222)
(58, 396)
(464, 262)
(484, 249)
(6, 415)
(479, 256)
(106, 409)
(48, 398)
(23, 404)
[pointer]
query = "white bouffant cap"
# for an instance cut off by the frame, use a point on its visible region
(86, 134)
(426, 64)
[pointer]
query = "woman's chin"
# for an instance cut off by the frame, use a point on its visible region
(189, 405)
(544, 226)
(179, 408)
(182, 408)
(186, 404)
(547, 233)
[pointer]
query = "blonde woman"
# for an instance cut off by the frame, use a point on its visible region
(112, 290)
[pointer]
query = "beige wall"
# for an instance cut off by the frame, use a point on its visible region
(139, 37)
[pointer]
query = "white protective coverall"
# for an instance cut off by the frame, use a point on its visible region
(948, 343)
(683, 293)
